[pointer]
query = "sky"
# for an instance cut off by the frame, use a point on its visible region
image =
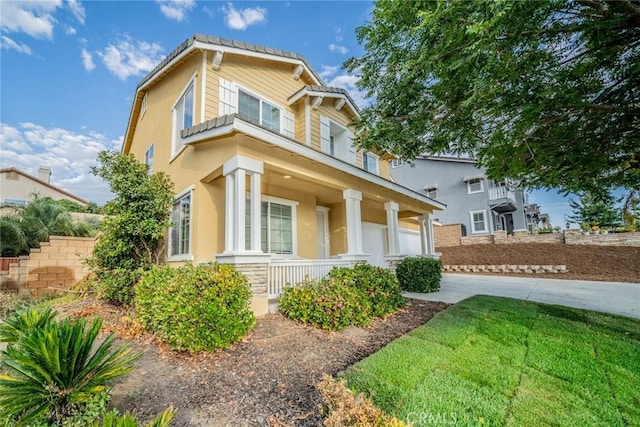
(68, 70)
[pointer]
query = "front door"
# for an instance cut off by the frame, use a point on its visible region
(322, 221)
(374, 242)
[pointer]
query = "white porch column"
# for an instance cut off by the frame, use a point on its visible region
(352, 200)
(235, 171)
(426, 236)
(393, 229)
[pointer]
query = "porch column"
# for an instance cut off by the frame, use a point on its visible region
(393, 230)
(426, 236)
(235, 171)
(352, 200)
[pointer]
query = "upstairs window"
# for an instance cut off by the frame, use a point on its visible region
(182, 115)
(396, 163)
(259, 111)
(370, 162)
(336, 140)
(148, 159)
(474, 185)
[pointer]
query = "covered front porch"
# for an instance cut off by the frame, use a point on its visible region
(284, 223)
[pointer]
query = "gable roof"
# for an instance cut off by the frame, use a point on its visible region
(328, 91)
(46, 184)
(201, 42)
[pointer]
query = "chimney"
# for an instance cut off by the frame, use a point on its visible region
(44, 174)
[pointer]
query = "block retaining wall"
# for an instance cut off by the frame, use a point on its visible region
(59, 263)
(507, 268)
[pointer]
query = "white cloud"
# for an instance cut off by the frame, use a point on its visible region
(69, 30)
(344, 81)
(9, 44)
(87, 60)
(128, 57)
(34, 18)
(241, 19)
(69, 155)
(176, 9)
(337, 48)
(77, 9)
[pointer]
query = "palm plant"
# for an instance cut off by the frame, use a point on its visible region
(112, 419)
(51, 372)
(23, 321)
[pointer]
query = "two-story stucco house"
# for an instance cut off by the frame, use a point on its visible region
(479, 204)
(267, 178)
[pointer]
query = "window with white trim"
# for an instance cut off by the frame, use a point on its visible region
(14, 202)
(180, 232)
(479, 222)
(475, 186)
(370, 162)
(396, 163)
(336, 140)
(432, 192)
(277, 227)
(183, 115)
(259, 111)
(148, 159)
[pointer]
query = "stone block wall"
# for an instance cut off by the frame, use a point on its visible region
(58, 264)
(447, 235)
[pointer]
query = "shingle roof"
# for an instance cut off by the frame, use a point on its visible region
(327, 89)
(226, 43)
(209, 124)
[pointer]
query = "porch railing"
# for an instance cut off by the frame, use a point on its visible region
(289, 272)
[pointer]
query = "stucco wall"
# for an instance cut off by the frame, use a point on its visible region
(58, 263)
(24, 189)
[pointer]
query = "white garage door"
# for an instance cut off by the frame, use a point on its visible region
(410, 242)
(374, 242)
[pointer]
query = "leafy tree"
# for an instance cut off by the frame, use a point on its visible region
(544, 92)
(596, 211)
(26, 226)
(135, 223)
(137, 218)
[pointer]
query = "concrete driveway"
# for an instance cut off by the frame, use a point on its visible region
(609, 297)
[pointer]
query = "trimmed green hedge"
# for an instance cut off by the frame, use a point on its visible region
(346, 297)
(195, 308)
(418, 274)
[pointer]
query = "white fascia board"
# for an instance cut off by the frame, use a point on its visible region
(245, 52)
(313, 93)
(242, 126)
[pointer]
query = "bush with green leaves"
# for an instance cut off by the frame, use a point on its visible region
(23, 321)
(419, 274)
(114, 419)
(56, 371)
(379, 285)
(199, 308)
(117, 286)
(346, 297)
(331, 304)
(135, 223)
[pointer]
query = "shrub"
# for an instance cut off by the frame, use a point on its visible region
(195, 308)
(23, 321)
(54, 371)
(331, 304)
(117, 286)
(378, 284)
(346, 409)
(418, 274)
(114, 419)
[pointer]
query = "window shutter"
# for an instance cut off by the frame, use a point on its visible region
(352, 149)
(288, 124)
(325, 135)
(228, 98)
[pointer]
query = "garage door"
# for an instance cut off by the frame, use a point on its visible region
(374, 242)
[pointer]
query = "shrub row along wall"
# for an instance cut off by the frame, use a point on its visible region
(451, 235)
(58, 263)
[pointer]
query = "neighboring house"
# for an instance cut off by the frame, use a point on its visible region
(479, 204)
(267, 178)
(17, 188)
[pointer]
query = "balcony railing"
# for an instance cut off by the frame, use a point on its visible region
(284, 273)
(496, 193)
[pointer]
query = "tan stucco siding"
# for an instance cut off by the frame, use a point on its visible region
(337, 229)
(24, 188)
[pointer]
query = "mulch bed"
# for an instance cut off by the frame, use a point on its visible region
(267, 379)
(604, 263)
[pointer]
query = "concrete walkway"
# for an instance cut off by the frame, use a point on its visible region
(609, 297)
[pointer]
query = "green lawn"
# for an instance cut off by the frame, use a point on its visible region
(499, 361)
